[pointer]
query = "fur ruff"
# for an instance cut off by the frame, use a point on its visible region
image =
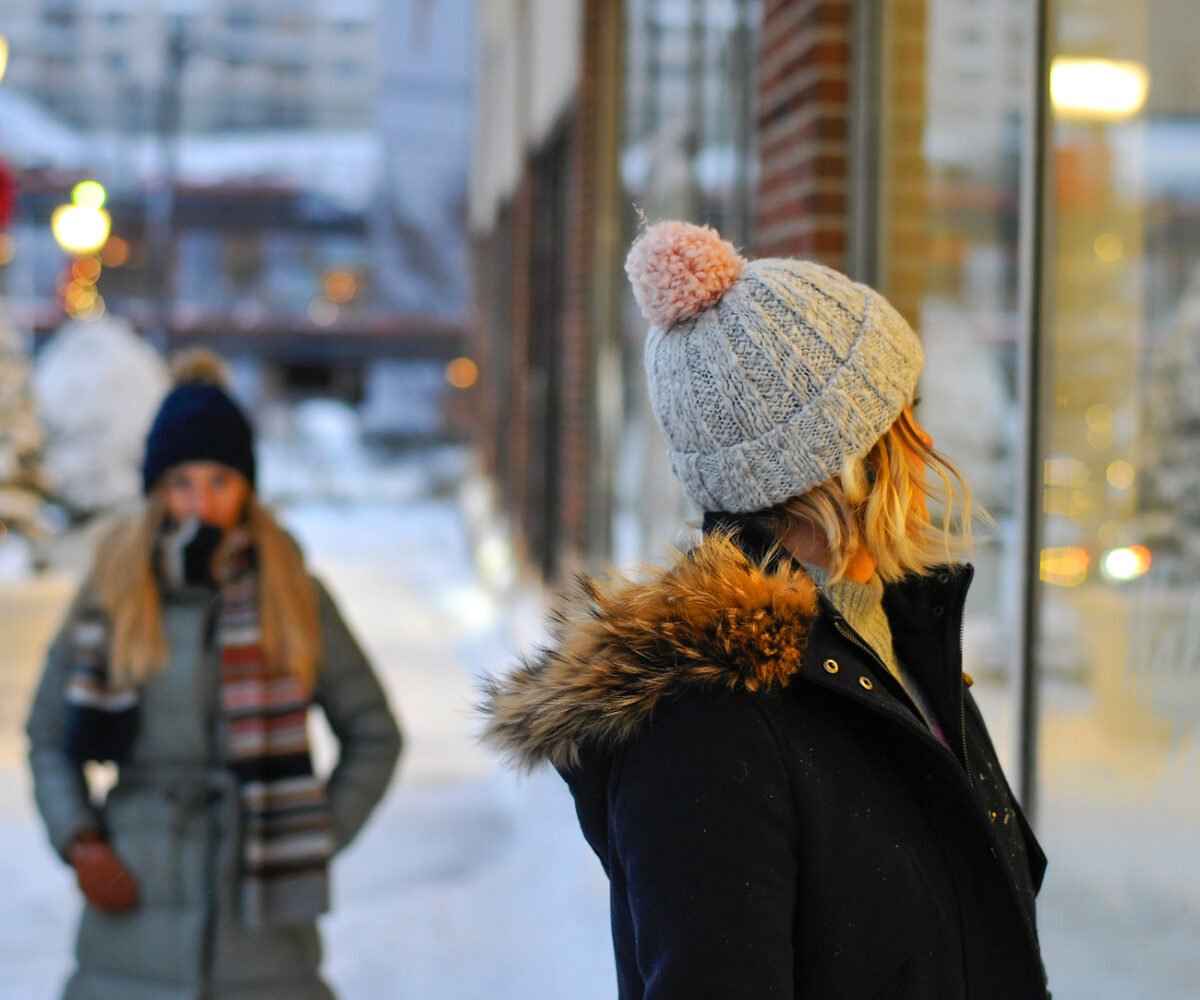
(717, 619)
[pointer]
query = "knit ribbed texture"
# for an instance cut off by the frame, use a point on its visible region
(861, 604)
(765, 394)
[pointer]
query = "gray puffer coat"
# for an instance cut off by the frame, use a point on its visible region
(172, 818)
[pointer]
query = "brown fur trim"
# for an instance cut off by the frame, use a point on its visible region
(716, 619)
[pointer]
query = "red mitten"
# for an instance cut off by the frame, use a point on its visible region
(103, 877)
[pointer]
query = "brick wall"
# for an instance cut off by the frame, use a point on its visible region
(512, 294)
(576, 359)
(520, 247)
(802, 119)
(588, 277)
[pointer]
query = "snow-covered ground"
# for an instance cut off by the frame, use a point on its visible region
(471, 883)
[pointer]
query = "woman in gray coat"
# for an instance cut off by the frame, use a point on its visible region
(190, 658)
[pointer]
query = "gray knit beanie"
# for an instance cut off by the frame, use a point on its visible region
(765, 376)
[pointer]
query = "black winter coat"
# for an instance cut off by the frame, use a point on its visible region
(774, 819)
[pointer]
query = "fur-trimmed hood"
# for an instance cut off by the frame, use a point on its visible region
(716, 619)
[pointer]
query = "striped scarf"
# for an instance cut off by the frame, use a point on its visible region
(286, 833)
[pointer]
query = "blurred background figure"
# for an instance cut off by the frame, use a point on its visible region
(403, 223)
(286, 183)
(189, 659)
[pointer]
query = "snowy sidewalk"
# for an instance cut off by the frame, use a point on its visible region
(471, 883)
(467, 883)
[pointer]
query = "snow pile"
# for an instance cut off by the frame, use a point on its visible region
(98, 386)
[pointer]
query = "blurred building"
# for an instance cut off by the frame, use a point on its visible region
(284, 178)
(100, 64)
(1051, 272)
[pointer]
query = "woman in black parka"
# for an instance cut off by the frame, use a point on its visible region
(772, 745)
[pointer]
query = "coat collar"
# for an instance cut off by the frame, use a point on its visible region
(730, 615)
(718, 619)
(925, 614)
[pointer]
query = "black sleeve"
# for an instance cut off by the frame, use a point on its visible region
(704, 831)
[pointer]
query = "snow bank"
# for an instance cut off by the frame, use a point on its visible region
(98, 386)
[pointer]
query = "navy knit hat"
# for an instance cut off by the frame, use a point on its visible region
(198, 422)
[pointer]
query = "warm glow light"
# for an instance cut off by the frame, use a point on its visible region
(1066, 566)
(462, 373)
(79, 298)
(1105, 89)
(1121, 475)
(82, 301)
(89, 194)
(115, 252)
(340, 287)
(80, 230)
(1065, 471)
(3, 56)
(1109, 248)
(86, 270)
(1125, 564)
(1099, 417)
(8, 249)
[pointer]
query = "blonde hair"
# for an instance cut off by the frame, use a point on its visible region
(872, 505)
(124, 583)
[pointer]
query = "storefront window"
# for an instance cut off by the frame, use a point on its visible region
(954, 93)
(687, 152)
(1119, 648)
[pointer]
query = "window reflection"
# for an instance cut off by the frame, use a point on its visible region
(687, 153)
(1120, 642)
(955, 85)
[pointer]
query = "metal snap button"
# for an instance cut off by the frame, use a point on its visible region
(938, 611)
(831, 666)
(866, 682)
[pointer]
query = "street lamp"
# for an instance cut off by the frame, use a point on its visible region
(82, 227)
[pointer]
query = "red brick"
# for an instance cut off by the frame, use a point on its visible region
(802, 118)
(828, 49)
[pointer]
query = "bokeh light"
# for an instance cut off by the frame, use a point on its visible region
(1126, 563)
(79, 229)
(1065, 566)
(1105, 89)
(462, 373)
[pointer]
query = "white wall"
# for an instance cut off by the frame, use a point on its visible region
(529, 61)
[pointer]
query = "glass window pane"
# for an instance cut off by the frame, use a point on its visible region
(686, 153)
(1120, 640)
(954, 91)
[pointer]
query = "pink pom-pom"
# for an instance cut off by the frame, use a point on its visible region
(678, 270)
